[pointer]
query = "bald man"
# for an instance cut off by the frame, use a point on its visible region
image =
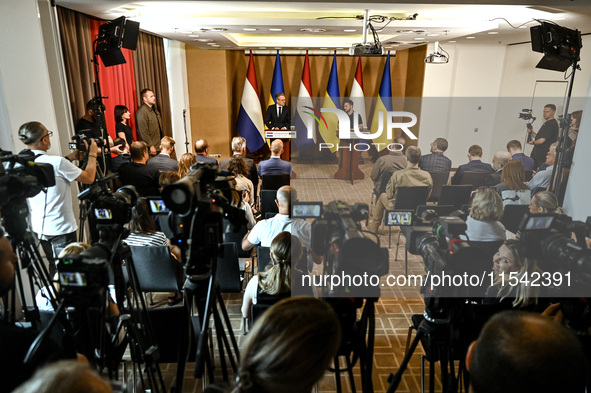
(520, 352)
(499, 160)
(275, 165)
(202, 151)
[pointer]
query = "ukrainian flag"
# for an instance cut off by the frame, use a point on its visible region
(277, 84)
(384, 104)
(332, 99)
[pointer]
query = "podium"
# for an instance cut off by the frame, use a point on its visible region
(349, 169)
(286, 137)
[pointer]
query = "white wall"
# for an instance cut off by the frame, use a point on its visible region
(501, 81)
(176, 68)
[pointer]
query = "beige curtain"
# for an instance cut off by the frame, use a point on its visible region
(149, 66)
(77, 50)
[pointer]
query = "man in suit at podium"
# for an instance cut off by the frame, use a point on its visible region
(278, 115)
(275, 165)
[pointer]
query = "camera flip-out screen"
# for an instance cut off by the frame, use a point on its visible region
(306, 209)
(157, 206)
(103, 214)
(538, 222)
(399, 218)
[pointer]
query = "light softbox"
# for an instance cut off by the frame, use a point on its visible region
(561, 46)
(112, 36)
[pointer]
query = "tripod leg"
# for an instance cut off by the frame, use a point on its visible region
(394, 379)
(233, 359)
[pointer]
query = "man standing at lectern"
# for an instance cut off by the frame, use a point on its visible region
(278, 115)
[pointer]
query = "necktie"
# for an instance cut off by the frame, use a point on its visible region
(280, 108)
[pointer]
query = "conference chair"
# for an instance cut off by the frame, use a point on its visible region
(263, 257)
(475, 179)
(456, 195)
(440, 178)
(512, 216)
(274, 182)
(407, 198)
(268, 204)
(264, 302)
(228, 269)
(155, 269)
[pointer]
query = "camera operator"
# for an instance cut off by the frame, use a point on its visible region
(54, 220)
(546, 135)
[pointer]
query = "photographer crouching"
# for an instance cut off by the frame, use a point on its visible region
(53, 220)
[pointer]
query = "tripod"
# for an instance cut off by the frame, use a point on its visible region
(439, 335)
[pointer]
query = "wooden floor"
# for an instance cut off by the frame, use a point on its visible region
(393, 310)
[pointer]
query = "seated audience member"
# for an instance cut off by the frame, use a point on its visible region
(66, 376)
(520, 352)
(275, 165)
(276, 279)
(143, 233)
(168, 177)
(436, 161)
(290, 332)
(391, 162)
(500, 159)
(202, 152)
(186, 162)
(136, 173)
(243, 183)
(474, 164)
(239, 148)
(265, 231)
(544, 202)
(508, 262)
(123, 129)
(411, 176)
(123, 158)
(512, 189)
(164, 161)
(516, 151)
(542, 178)
(240, 201)
(483, 223)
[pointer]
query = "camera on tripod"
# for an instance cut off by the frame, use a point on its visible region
(338, 236)
(83, 139)
(21, 177)
(110, 209)
(83, 280)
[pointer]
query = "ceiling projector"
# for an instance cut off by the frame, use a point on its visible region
(436, 58)
(367, 49)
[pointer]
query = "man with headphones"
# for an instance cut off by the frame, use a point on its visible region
(53, 220)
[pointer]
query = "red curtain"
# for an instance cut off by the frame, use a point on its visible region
(118, 84)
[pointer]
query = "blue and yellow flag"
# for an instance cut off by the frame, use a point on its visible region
(384, 104)
(277, 84)
(332, 99)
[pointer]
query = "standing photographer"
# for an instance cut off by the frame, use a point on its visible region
(53, 220)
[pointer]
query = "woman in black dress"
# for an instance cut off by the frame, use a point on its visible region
(123, 130)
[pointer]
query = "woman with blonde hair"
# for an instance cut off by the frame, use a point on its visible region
(276, 279)
(483, 222)
(544, 202)
(185, 163)
(512, 189)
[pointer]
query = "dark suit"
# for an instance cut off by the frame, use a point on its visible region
(272, 120)
(163, 162)
(253, 175)
(205, 160)
(274, 166)
(493, 179)
(471, 166)
(142, 176)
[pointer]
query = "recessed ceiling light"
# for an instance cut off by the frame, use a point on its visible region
(420, 38)
(451, 41)
(215, 46)
(323, 48)
(277, 48)
(493, 32)
(432, 35)
(263, 48)
(218, 29)
(211, 43)
(203, 40)
(275, 29)
(313, 30)
(249, 29)
(340, 48)
(194, 35)
(350, 30)
(470, 38)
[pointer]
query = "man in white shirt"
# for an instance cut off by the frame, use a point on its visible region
(52, 211)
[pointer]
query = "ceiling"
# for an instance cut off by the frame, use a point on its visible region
(296, 26)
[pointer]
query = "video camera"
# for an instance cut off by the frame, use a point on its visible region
(21, 177)
(337, 234)
(526, 114)
(83, 139)
(111, 210)
(199, 202)
(83, 279)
